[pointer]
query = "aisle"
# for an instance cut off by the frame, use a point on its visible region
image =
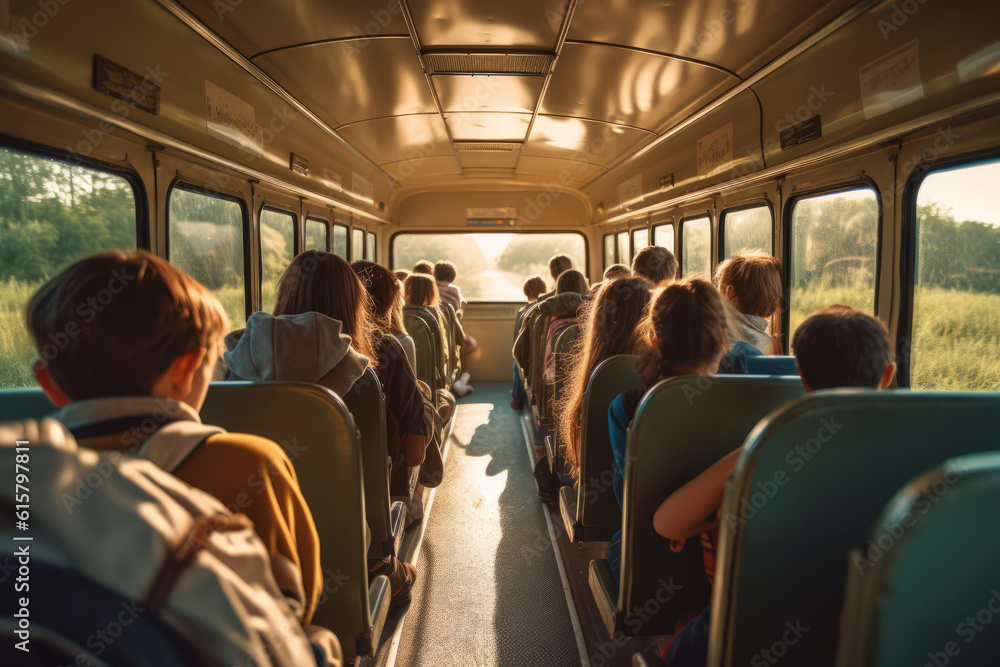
(488, 590)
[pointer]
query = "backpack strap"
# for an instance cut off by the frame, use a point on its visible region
(174, 443)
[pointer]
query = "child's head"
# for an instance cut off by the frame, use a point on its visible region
(320, 282)
(558, 264)
(615, 271)
(402, 274)
(420, 290)
(751, 283)
(424, 267)
(686, 331)
(841, 346)
(126, 323)
(445, 272)
(533, 287)
(386, 304)
(571, 281)
(655, 264)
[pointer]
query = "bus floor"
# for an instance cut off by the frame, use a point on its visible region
(489, 590)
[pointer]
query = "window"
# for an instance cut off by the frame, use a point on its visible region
(205, 239)
(696, 247)
(747, 230)
(640, 239)
(955, 334)
(609, 250)
(370, 248)
(357, 244)
(834, 243)
(51, 214)
(340, 241)
(491, 266)
(663, 236)
(623, 253)
(317, 234)
(277, 249)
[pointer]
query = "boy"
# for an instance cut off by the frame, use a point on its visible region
(655, 264)
(129, 346)
(445, 274)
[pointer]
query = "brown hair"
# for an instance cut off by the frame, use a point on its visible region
(616, 271)
(533, 286)
(610, 326)
(402, 274)
(421, 290)
(571, 281)
(840, 346)
(688, 320)
(386, 303)
(756, 282)
(445, 271)
(655, 264)
(558, 264)
(321, 282)
(112, 323)
(423, 266)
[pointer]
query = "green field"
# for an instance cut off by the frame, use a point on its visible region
(956, 343)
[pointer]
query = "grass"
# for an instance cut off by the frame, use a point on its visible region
(955, 346)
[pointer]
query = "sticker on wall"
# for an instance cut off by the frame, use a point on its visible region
(630, 191)
(333, 180)
(362, 188)
(892, 81)
(715, 150)
(230, 119)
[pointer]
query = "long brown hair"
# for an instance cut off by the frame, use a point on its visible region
(688, 320)
(386, 302)
(421, 290)
(321, 282)
(611, 326)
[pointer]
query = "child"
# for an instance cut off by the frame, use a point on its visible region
(838, 346)
(616, 271)
(424, 267)
(421, 290)
(655, 264)
(143, 361)
(561, 310)
(686, 335)
(445, 274)
(752, 286)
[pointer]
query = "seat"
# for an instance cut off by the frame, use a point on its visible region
(21, 404)
(925, 581)
(318, 433)
(682, 426)
(810, 483)
(589, 508)
(386, 519)
(771, 365)
(426, 343)
(564, 346)
(539, 334)
(453, 342)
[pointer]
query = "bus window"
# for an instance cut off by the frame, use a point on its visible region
(956, 297)
(640, 239)
(609, 250)
(340, 241)
(357, 244)
(51, 214)
(317, 235)
(491, 266)
(277, 249)
(663, 236)
(747, 230)
(370, 248)
(834, 250)
(696, 246)
(623, 254)
(205, 239)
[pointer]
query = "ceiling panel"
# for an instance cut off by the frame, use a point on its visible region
(524, 24)
(518, 94)
(478, 126)
(340, 87)
(582, 140)
(255, 27)
(740, 36)
(488, 159)
(400, 138)
(432, 166)
(564, 172)
(646, 91)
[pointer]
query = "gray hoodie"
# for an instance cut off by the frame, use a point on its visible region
(308, 347)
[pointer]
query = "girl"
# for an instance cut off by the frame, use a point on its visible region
(422, 290)
(751, 284)
(571, 286)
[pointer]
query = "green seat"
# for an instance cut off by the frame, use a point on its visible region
(812, 480)
(589, 508)
(453, 343)
(418, 326)
(21, 404)
(683, 426)
(386, 519)
(920, 590)
(318, 433)
(565, 346)
(539, 333)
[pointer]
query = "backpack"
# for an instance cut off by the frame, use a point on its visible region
(131, 528)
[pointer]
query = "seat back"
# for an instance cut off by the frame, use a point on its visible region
(366, 402)
(318, 433)
(452, 340)
(539, 333)
(564, 346)
(811, 481)
(771, 365)
(21, 404)
(426, 344)
(683, 426)
(927, 568)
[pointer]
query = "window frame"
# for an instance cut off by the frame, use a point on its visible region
(268, 205)
(188, 185)
(679, 240)
(664, 224)
(614, 249)
(350, 243)
(586, 249)
(757, 203)
(371, 254)
(347, 231)
(789, 208)
(632, 233)
(305, 232)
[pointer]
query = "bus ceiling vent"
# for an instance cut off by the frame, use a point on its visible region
(537, 64)
(489, 146)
